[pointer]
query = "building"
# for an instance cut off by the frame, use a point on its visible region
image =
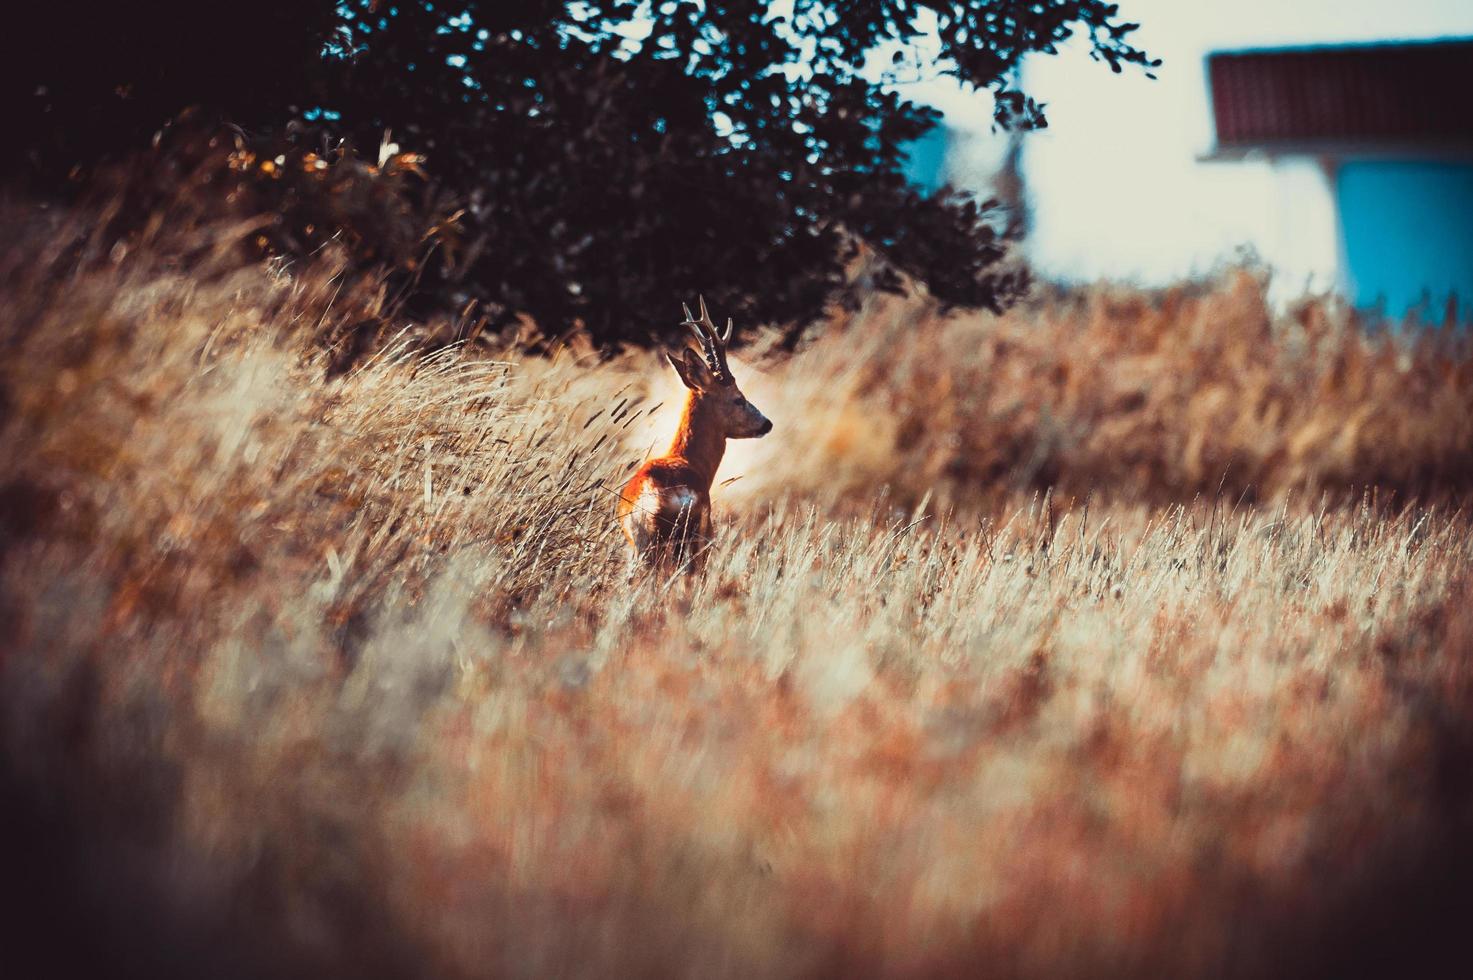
(1384, 134)
(1132, 182)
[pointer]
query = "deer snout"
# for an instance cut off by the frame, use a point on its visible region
(765, 428)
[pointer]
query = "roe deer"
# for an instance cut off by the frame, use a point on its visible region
(665, 508)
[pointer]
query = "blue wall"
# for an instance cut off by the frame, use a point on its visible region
(1408, 233)
(925, 160)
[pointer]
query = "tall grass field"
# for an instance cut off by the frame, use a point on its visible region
(1124, 634)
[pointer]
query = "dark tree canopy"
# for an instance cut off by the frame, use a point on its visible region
(615, 156)
(91, 79)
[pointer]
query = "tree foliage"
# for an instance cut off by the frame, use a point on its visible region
(613, 156)
(84, 81)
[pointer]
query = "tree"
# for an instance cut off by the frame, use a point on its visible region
(617, 156)
(612, 157)
(85, 81)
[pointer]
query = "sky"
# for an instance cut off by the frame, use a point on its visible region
(1116, 185)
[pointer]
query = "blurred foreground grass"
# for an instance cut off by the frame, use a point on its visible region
(347, 671)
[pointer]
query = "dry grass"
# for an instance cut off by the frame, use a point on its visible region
(350, 668)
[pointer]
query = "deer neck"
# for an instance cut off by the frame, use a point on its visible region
(700, 440)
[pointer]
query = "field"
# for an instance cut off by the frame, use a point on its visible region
(1122, 634)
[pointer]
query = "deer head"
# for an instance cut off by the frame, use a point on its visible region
(712, 387)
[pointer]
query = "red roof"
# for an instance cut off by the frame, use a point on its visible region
(1369, 96)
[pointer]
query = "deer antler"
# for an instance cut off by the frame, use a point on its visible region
(713, 343)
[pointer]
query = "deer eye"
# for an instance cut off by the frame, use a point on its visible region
(737, 400)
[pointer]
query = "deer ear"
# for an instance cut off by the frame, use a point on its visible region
(691, 370)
